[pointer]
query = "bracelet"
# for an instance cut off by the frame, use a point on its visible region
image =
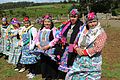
(85, 52)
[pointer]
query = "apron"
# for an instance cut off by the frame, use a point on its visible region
(15, 49)
(27, 57)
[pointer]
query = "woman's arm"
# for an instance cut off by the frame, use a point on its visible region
(98, 46)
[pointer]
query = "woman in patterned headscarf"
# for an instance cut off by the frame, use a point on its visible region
(91, 40)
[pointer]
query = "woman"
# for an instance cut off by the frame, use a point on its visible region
(66, 37)
(3, 41)
(45, 35)
(14, 49)
(28, 37)
(91, 40)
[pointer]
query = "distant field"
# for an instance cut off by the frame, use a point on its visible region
(38, 11)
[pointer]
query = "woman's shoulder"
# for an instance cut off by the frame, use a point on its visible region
(54, 28)
(33, 28)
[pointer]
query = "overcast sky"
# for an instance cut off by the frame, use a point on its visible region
(37, 1)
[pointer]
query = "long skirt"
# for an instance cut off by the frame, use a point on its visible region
(90, 75)
(27, 57)
(7, 47)
(67, 60)
(86, 68)
(1, 45)
(14, 57)
(49, 68)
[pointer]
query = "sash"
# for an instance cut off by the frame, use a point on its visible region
(60, 33)
(26, 31)
(82, 29)
(63, 30)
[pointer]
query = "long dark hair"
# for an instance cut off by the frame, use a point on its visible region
(87, 27)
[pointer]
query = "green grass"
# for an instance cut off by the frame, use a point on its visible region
(6, 70)
(38, 11)
(111, 71)
(117, 11)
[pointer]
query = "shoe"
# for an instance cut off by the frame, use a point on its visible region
(22, 70)
(31, 76)
(16, 69)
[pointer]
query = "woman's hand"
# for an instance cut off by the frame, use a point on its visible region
(46, 47)
(43, 48)
(39, 46)
(79, 50)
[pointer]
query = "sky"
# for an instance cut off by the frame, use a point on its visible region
(36, 1)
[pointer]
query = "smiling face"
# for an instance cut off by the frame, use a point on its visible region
(27, 24)
(4, 22)
(47, 23)
(16, 25)
(73, 18)
(92, 24)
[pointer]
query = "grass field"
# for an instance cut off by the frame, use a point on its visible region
(38, 11)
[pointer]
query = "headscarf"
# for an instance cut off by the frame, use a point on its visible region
(15, 21)
(91, 17)
(49, 17)
(74, 12)
(4, 19)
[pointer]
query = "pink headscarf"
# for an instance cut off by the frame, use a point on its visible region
(91, 16)
(47, 17)
(74, 12)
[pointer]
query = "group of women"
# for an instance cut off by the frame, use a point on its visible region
(72, 52)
